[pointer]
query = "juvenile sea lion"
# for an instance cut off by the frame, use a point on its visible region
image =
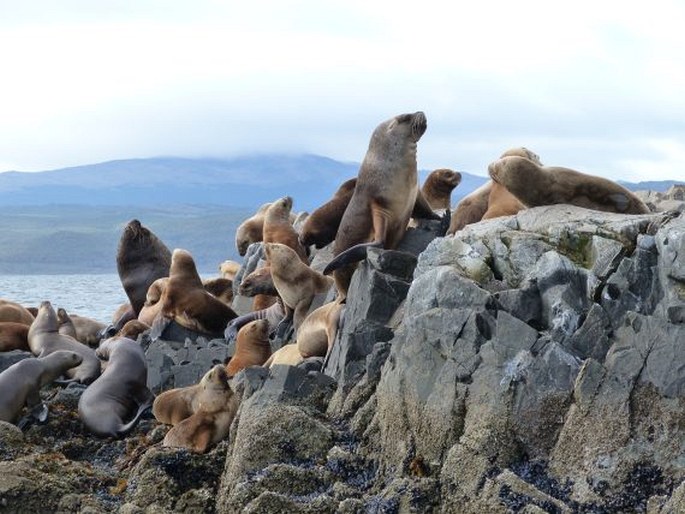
(386, 194)
(316, 334)
(12, 311)
(220, 288)
(151, 307)
(259, 285)
(321, 226)
(536, 185)
(289, 355)
(13, 336)
(112, 405)
(278, 229)
(295, 281)
(132, 329)
(216, 407)
(252, 347)
(21, 382)
(438, 186)
(66, 325)
(44, 338)
(501, 203)
(185, 300)
(88, 330)
(251, 230)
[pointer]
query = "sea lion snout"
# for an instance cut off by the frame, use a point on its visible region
(419, 125)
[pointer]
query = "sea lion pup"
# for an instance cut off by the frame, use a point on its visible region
(438, 186)
(536, 185)
(44, 338)
(252, 347)
(229, 269)
(13, 336)
(112, 405)
(473, 207)
(151, 307)
(288, 354)
(185, 300)
(386, 194)
(21, 382)
(278, 229)
(295, 281)
(251, 230)
(142, 258)
(320, 227)
(217, 405)
(132, 329)
(259, 285)
(12, 311)
(85, 330)
(317, 332)
(220, 288)
(66, 326)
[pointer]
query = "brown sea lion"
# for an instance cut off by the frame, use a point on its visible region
(13, 336)
(112, 405)
(12, 311)
(21, 382)
(316, 334)
(220, 288)
(259, 285)
(214, 413)
(438, 186)
(536, 185)
(289, 355)
(501, 203)
(85, 330)
(185, 300)
(132, 329)
(251, 230)
(66, 325)
(44, 338)
(278, 229)
(252, 347)
(142, 258)
(386, 195)
(229, 269)
(151, 307)
(295, 281)
(321, 226)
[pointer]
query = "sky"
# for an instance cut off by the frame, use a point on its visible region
(594, 86)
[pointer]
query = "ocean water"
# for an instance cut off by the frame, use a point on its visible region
(96, 296)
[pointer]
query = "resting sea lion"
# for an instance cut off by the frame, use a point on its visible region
(151, 307)
(295, 281)
(12, 311)
(21, 382)
(316, 334)
(132, 329)
(321, 226)
(13, 336)
(386, 194)
(252, 347)
(288, 355)
(210, 423)
(220, 288)
(501, 203)
(112, 405)
(44, 338)
(185, 300)
(438, 186)
(278, 229)
(536, 185)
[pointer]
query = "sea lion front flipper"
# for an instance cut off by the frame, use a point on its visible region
(445, 221)
(158, 326)
(422, 210)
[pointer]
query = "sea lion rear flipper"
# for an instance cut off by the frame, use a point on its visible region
(422, 210)
(125, 429)
(158, 326)
(353, 254)
(39, 412)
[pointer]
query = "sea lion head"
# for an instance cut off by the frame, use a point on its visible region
(183, 265)
(62, 316)
(445, 179)
(280, 209)
(257, 331)
(216, 379)
(522, 151)
(395, 136)
(515, 173)
(257, 282)
(279, 253)
(66, 358)
(47, 317)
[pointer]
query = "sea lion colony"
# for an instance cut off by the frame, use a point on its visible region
(370, 210)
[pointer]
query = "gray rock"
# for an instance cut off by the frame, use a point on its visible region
(592, 338)
(7, 359)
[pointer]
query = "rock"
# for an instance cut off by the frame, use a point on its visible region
(7, 359)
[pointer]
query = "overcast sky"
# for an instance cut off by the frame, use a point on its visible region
(598, 86)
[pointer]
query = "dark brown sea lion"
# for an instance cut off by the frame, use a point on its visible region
(536, 185)
(386, 194)
(438, 186)
(211, 420)
(259, 285)
(21, 382)
(112, 405)
(13, 336)
(251, 230)
(321, 226)
(252, 347)
(221, 288)
(185, 300)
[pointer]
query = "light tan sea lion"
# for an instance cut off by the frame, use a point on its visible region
(321, 226)
(151, 307)
(536, 185)
(438, 186)
(211, 421)
(316, 334)
(21, 382)
(229, 269)
(13, 336)
(386, 195)
(112, 405)
(185, 301)
(501, 203)
(12, 311)
(252, 347)
(278, 229)
(288, 355)
(295, 281)
(44, 338)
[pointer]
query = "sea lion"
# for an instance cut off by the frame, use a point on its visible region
(12, 311)
(536, 185)
(278, 229)
(252, 347)
(317, 333)
(273, 314)
(85, 330)
(321, 226)
(142, 258)
(386, 195)
(185, 300)
(229, 269)
(21, 382)
(132, 329)
(220, 288)
(501, 203)
(151, 307)
(13, 336)
(295, 281)
(112, 405)
(438, 186)
(251, 230)
(216, 407)
(288, 354)
(259, 285)
(66, 325)
(44, 338)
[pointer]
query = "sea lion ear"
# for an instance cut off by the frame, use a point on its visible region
(620, 201)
